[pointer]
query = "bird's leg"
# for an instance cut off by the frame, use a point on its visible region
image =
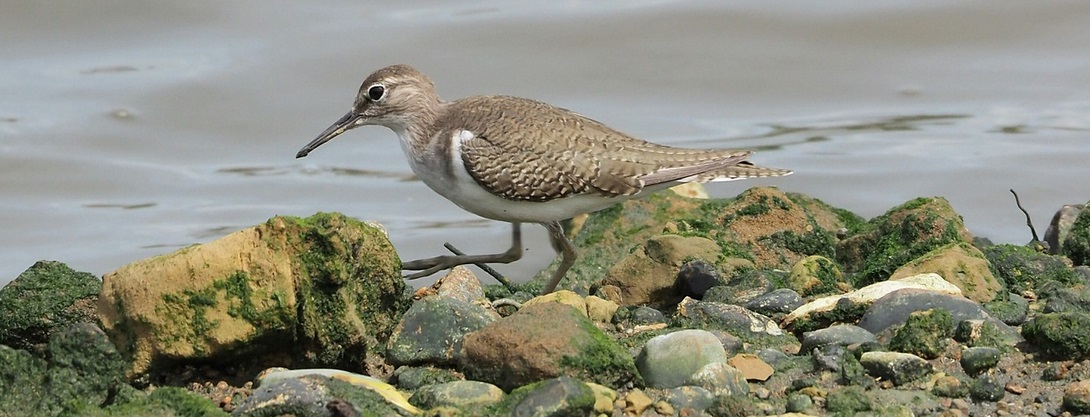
(432, 265)
(567, 254)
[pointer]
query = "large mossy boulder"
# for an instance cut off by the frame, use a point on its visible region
(960, 264)
(763, 225)
(320, 291)
(1061, 336)
(902, 234)
(1023, 268)
(80, 369)
(46, 297)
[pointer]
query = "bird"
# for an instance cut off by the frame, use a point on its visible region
(519, 160)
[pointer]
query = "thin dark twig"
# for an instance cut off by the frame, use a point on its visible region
(484, 267)
(1029, 222)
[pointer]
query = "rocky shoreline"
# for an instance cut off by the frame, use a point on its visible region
(769, 303)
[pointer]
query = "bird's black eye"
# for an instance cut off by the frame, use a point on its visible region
(376, 92)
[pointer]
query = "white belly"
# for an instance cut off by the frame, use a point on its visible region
(464, 191)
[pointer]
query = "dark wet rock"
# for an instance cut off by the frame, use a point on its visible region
(432, 330)
(1066, 299)
(307, 396)
(696, 277)
(732, 318)
(829, 357)
(411, 378)
(627, 317)
(648, 274)
(1012, 311)
(81, 369)
(687, 400)
(1055, 371)
(669, 360)
(986, 388)
(841, 334)
(778, 301)
(924, 333)
(852, 373)
(557, 397)
(894, 308)
(1022, 267)
(960, 264)
(743, 287)
(950, 387)
(1077, 397)
(45, 298)
(544, 341)
(463, 395)
(976, 360)
(816, 275)
(321, 291)
(1060, 335)
(647, 315)
(902, 234)
(1076, 245)
(731, 343)
(848, 401)
(1060, 227)
(774, 357)
(721, 379)
(899, 368)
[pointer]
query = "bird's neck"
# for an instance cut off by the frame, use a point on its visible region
(418, 129)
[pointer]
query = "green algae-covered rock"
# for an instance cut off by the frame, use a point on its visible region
(43, 299)
(543, 341)
(81, 370)
(1077, 243)
(847, 401)
(320, 291)
(763, 225)
(432, 330)
(1022, 267)
(900, 235)
(562, 396)
(923, 334)
(163, 402)
(817, 275)
(608, 235)
(1060, 335)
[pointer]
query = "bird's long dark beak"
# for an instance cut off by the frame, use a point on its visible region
(345, 123)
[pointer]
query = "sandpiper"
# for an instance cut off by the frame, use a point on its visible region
(518, 160)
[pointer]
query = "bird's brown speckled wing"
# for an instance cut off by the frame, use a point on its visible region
(558, 153)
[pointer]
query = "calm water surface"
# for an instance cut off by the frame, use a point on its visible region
(130, 128)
